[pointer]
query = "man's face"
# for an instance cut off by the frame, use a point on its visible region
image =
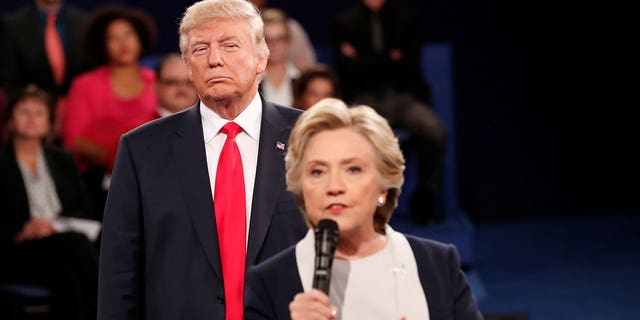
(222, 61)
(174, 89)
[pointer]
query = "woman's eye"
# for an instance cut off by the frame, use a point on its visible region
(354, 169)
(315, 172)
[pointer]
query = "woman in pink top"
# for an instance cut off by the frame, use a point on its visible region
(117, 96)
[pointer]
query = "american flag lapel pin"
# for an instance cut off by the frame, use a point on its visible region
(280, 145)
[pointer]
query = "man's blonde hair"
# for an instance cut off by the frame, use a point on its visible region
(207, 11)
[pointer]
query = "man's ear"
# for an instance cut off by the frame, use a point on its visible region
(262, 62)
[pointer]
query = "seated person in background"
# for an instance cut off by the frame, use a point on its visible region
(105, 102)
(25, 55)
(376, 45)
(345, 164)
(40, 184)
(278, 78)
(42, 43)
(315, 83)
(174, 91)
(301, 51)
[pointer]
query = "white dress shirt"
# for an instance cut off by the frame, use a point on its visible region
(247, 141)
(282, 95)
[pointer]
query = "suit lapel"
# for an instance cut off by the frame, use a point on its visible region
(269, 176)
(191, 161)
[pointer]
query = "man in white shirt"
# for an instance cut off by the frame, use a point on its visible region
(164, 251)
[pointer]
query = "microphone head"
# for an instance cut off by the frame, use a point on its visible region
(327, 224)
(326, 234)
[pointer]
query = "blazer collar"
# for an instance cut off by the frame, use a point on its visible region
(270, 176)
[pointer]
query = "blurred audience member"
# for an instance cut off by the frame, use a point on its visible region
(105, 102)
(42, 43)
(301, 53)
(30, 53)
(315, 83)
(277, 81)
(39, 185)
(377, 53)
(174, 89)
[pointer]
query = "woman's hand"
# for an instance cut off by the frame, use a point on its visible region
(35, 228)
(312, 305)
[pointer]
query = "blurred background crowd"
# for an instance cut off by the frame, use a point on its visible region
(541, 126)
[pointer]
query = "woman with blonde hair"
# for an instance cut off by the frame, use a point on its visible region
(344, 164)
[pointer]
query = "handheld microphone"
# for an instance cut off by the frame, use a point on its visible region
(326, 239)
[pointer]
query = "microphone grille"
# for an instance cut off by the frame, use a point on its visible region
(327, 224)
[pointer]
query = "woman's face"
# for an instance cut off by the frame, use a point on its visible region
(340, 181)
(275, 34)
(30, 119)
(123, 44)
(317, 89)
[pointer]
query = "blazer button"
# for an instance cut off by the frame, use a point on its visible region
(220, 299)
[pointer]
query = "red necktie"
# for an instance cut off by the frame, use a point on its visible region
(54, 49)
(230, 210)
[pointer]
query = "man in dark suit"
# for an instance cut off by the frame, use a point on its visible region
(165, 250)
(23, 58)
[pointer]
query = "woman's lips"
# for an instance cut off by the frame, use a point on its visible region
(336, 208)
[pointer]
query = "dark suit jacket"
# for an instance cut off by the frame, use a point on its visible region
(14, 203)
(23, 59)
(159, 256)
(271, 286)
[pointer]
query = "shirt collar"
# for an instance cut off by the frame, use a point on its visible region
(248, 120)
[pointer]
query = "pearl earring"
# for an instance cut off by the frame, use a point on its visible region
(380, 201)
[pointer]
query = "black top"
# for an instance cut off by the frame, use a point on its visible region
(14, 202)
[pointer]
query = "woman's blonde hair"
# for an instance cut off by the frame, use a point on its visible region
(209, 10)
(276, 16)
(331, 114)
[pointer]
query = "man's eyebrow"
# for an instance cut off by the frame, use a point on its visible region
(225, 37)
(198, 42)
